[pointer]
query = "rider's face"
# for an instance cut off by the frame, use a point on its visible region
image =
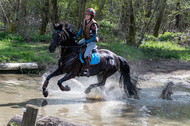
(87, 16)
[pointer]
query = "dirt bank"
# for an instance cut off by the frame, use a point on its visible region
(162, 71)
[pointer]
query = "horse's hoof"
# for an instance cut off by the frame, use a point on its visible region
(87, 91)
(45, 93)
(67, 88)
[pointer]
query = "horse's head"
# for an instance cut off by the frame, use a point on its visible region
(62, 36)
(56, 37)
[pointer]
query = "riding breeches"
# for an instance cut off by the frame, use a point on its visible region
(90, 47)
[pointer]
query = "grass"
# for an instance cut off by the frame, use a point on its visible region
(14, 51)
(167, 50)
(126, 51)
(150, 49)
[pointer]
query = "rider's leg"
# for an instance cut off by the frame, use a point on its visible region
(87, 63)
(90, 47)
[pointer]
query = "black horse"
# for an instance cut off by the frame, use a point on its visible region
(70, 63)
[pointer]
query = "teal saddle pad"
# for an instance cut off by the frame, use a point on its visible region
(95, 58)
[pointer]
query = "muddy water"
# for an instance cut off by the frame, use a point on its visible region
(18, 90)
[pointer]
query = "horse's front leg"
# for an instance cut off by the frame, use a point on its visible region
(46, 82)
(65, 78)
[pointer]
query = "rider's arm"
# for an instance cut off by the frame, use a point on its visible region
(79, 33)
(92, 39)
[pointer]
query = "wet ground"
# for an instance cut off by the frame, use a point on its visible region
(18, 90)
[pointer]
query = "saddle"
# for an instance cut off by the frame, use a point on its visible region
(95, 58)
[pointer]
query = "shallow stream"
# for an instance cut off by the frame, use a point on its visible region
(17, 90)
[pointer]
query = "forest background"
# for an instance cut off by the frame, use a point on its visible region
(135, 29)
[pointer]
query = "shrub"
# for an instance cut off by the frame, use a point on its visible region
(2, 24)
(41, 38)
(149, 38)
(14, 37)
(106, 30)
(168, 36)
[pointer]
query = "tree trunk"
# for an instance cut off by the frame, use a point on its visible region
(5, 18)
(54, 14)
(132, 31)
(145, 28)
(82, 8)
(177, 16)
(159, 19)
(17, 10)
(149, 8)
(23, 8)
(45, 17)
(100, 9)
(124, 19)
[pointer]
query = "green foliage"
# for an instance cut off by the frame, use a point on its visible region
(165, 46)
(166, 50)
(149, 38)
(106, 32)
(9, 37)
(105, 27)
(15, 51)
(2, 35)
(168, 36)
(128, 52)
(41, 38)
(34, 38)
(2, 25)
(13, 124)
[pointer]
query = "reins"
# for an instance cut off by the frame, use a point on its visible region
(70, 46)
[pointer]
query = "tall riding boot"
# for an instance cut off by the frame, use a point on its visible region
(87, 63)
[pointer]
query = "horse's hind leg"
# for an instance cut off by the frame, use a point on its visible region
(46, 82)
(101, 82)
(101, 79)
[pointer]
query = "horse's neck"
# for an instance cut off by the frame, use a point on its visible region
(70, 47)
(68, 50)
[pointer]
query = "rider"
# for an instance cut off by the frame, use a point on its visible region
(89, 28)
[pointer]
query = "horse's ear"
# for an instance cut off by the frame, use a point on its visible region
(61, 26)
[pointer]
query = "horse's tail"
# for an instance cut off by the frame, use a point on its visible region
(125, 79)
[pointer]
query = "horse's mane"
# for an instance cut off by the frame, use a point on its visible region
(69, 28)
